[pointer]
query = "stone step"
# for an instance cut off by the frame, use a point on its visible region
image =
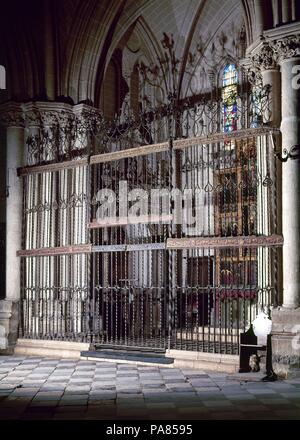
(130, 348)
(217, 362)
(50, 348)
(123, 356)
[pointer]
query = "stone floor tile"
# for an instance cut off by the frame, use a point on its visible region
(44, 403)
(75, 408)
(102, 385)
(59, 379)
(80, 380)
(293, 394)
(75, 396)
(263, 391)
(217, 403)
(128, 390)
(259, 407)
(72, 387)
(6, 386)
(124, 391)
(237, 398)
(128, 398)
(43, 397)
(228, 415)
(46, 388)
(71, 403)
(35, 375)
(276, 400)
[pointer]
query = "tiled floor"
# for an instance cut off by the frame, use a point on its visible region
(43, 388)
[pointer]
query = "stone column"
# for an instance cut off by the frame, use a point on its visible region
(49, 50)
(11, 116)
(286, 319)
(265, 61)
(286, 11)
(290, 128)
(259, 18)
(268, 197)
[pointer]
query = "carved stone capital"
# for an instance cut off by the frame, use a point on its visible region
(88, 117)
(288, 47)
(254, 76)
(43, 114)
(265, 58)
(11, 115)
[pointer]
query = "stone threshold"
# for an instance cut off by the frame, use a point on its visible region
(127, 357)
(50, 348)
(170, 359)
(217, 362)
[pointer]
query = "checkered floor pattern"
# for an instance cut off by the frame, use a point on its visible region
(42, 388)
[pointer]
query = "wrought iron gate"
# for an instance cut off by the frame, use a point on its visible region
(185, 266)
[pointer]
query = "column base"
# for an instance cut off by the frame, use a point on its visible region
(286, 342)
(9, 321)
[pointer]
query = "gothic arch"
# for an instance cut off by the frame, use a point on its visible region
(90, 33)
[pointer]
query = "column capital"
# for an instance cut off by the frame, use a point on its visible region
(11, 115)
(89, 117)
(47, 114)
(265, 57)
(287, 47)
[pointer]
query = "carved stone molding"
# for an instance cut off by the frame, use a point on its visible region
(265, 58)
(44, 114)
(288, 47)
(36, 118)
(47, 114)
(11, 115)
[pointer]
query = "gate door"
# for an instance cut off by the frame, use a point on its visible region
(129, 259)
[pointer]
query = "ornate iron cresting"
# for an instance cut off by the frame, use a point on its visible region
(177, 99)
(69, 137)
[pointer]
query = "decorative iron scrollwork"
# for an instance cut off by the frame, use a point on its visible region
(293, 154)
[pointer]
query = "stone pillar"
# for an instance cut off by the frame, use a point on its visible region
(268, 214)
(286, 11)
(290, 128)
(265, 60)
(11, 116)
(294, 10)
(271, 76)
(275, 12)
(259, 17)
(286, 319)
(49, 51)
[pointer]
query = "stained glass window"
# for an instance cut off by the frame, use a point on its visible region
(229, 97)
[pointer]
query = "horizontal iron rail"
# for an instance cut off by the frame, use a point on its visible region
(131, 152)
(225, 242)
(88, 248)
(123, 221)
(60, 250)
(148, 149)
(179, 144)
(129, 247)
(171, 243)
(57, 166)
